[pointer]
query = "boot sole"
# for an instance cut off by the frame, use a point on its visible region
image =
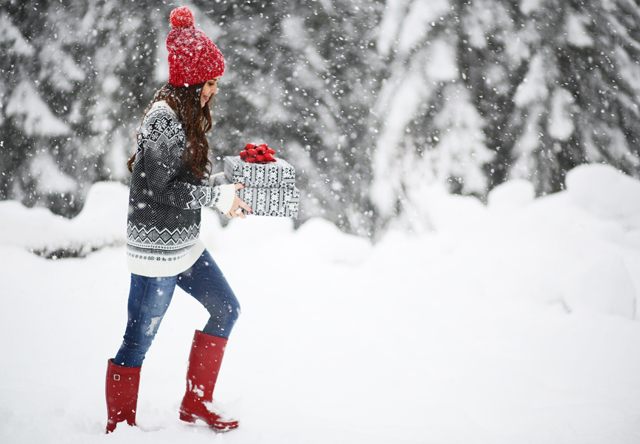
(191, 419)
(187, 418)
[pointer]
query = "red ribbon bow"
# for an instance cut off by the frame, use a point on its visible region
(260, 153)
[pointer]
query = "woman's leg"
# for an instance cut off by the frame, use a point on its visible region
(205, 282)
(148, 302)
(149, 298)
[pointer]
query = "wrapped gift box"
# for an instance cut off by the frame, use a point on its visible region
(267, 201)
(272, 201)
(266, 175)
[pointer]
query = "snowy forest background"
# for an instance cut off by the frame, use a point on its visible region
(371, 100)
(512, 321)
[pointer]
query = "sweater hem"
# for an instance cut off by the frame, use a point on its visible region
(156, 265)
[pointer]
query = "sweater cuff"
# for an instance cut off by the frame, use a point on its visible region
(227, 195)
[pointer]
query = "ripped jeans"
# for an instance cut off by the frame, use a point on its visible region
(149, 298)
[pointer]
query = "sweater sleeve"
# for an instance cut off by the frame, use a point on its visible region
(227, 194)
(163, 142)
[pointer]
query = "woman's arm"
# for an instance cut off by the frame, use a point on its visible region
(163, 142)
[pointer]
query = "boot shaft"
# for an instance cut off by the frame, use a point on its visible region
(121, 389)
(205, 360)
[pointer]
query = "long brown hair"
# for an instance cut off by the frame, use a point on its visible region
(185, 102)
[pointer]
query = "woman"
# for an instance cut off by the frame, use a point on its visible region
(168, 190)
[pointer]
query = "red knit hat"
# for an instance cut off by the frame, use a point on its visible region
(193, 57)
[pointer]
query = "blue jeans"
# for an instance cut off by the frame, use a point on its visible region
(149, 298)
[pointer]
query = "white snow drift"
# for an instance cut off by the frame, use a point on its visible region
(510, 322)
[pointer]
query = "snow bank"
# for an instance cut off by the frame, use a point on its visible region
(473, 316)
(579, 248)
(606, 193)
(513, 195)
(101, 222)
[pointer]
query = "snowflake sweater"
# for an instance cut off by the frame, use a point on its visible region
(165, 200)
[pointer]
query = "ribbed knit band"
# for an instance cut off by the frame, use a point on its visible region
(153, 265)
(227, 195)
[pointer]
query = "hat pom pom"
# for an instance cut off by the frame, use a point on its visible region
(181, 16)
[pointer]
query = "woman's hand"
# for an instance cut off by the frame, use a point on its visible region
(238, 205)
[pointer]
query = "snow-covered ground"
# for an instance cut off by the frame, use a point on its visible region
(512, 322)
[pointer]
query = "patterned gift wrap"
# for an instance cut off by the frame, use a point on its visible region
(273, 201)
(273, 174)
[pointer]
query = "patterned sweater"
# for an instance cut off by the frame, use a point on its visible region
(165, 200)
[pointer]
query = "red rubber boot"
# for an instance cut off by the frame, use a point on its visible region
(204, 364)
(122, 394)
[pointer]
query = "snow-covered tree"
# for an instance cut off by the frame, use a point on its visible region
(431, 130)
(301, 77)
(75, 75)
(578, 98)
(370, 99)
(553, 84)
